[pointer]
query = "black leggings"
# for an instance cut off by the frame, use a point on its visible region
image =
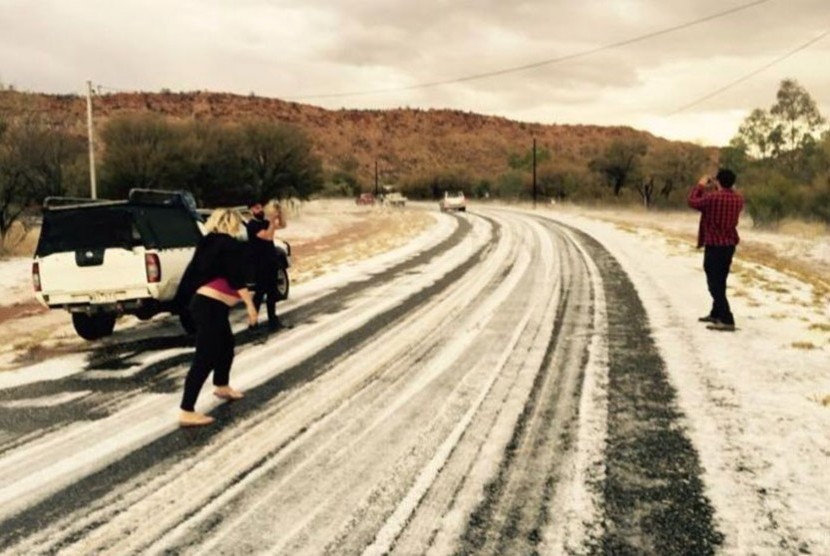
(214, 347)
(266, 289)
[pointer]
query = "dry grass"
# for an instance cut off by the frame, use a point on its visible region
(751, 250)
(807, 346)
(381, 231)
(20, 242)
(799, 228)
(766, 256)
(820, 327)
(626, 228)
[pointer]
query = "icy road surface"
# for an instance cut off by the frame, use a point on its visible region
(493, 387)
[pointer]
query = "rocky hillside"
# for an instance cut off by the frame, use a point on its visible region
(406, 142)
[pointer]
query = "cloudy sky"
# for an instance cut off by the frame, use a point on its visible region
(318, 51)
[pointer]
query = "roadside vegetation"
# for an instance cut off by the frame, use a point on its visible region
(221, 163)
(781, 155)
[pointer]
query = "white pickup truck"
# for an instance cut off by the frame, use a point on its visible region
(392, 197)
(101, 259)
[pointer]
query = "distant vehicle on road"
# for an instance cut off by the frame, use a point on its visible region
(392, 197)
(100, 259)
(365, 199)
(453, 200)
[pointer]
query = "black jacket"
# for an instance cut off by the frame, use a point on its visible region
(216, 256)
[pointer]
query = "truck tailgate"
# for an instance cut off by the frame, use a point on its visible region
(93, 277)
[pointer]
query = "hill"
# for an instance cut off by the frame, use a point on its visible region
(406, 142)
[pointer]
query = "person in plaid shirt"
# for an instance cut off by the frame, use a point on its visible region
(720, 208)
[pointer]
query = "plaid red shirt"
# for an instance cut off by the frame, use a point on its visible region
(720, 211)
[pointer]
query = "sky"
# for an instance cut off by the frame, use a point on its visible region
(318, 51)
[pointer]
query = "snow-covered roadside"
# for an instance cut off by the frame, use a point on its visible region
(752, 398)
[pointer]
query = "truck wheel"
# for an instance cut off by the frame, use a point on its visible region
(93, 327)
(283, 284)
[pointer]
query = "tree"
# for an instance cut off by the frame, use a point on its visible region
(525, 162)
(645, 187)
(787, 134)
(278, 161)
(619, 162)
(797, 118)
(755, 134)
(140, 151)
(208, 156)
(34, 157)
(677, 165)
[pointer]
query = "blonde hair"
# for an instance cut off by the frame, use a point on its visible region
(224, 221)
(271, 207)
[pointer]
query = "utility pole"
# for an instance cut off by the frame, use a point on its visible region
(534, 173)
(92, 185)
(376, 177)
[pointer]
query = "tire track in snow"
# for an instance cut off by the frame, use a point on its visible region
(88, 490)
(387, 439)
(515, 510)
(118, 377)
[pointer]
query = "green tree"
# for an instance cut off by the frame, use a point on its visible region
(278, 161)
(755, 135)
(141, 150)
(207, 157)
(797, 118)
(676, 166)
(524, 161)
(34, 158)
(619, 162)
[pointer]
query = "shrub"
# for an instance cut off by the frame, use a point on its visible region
(768, 203)
(818, 202)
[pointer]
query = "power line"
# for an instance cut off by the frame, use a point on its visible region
(547, 62)
(750, 74)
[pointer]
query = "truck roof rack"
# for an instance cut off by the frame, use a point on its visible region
(52, 203)
(136, 196)
(140, 196)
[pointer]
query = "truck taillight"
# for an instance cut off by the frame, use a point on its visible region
(36, 276)
(151, 262)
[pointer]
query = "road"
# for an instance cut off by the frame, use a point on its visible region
(492, 389)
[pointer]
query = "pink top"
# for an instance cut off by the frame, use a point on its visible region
(221, 285)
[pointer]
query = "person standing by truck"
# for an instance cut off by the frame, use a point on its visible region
(216, 278)
(263, 256)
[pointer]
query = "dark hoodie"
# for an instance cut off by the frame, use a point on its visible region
(216, 256)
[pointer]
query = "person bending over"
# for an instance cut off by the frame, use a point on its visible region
(217, 276)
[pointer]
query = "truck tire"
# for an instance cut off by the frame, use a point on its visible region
(283, 283)
(93, 327)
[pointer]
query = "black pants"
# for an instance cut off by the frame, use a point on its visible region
(214, 348)
(717, 259)
(266, 289)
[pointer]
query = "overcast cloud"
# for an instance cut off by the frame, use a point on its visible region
(298, 50)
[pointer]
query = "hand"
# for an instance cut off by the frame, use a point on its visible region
(703, 181)
(253, 316)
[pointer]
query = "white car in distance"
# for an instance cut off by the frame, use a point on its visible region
(453, 200)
